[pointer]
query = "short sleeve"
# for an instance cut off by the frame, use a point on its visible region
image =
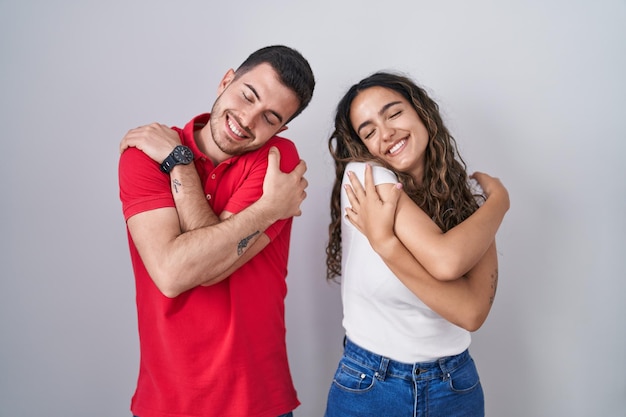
(143, 186)
(382, 175)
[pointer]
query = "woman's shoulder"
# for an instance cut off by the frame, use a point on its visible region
(382, 175)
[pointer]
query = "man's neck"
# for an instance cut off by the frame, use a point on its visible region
(204, 141)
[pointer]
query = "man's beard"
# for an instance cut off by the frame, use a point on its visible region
(223, 145)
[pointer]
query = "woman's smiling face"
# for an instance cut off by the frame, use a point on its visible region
(391, 129)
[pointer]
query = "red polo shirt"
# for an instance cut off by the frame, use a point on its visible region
(218, 350)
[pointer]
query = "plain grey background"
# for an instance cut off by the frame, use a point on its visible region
(534, 92)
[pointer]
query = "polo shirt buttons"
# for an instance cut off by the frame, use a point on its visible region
(212, 176)
(208, 196)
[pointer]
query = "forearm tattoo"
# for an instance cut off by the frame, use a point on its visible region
(494, 286)
(176, 184)
(243, 243)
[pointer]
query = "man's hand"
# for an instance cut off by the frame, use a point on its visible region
(283, 193)
(155, 140)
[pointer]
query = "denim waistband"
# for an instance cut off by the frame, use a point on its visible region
(385, 367)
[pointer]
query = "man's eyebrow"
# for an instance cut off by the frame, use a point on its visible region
(253, 90)
(256, 94)
(380, 113)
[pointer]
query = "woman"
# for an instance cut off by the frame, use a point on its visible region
(415, 252)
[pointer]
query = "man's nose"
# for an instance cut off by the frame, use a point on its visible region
(247, 120)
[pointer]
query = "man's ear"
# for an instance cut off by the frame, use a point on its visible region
(226, 80)
(282, 129)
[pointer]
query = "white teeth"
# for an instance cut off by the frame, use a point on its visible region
(235, 130)
(397, 146)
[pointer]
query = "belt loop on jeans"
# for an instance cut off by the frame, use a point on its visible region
(448, 363)
(444, 368)
(382, 369)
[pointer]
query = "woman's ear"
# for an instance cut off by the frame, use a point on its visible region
(226, 80)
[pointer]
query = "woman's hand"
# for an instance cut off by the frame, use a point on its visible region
(492, 186)
(373, 208)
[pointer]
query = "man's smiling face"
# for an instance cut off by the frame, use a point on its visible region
(250, 109)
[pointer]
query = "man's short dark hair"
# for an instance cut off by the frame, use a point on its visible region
(292, 68)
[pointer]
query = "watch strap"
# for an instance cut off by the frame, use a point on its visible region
(168, 163)
(180, 155)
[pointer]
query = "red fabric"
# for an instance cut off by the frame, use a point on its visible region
(218, 350)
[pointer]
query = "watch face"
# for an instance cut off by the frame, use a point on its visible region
(183, 154)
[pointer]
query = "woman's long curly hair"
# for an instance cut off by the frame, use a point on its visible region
(444, 193)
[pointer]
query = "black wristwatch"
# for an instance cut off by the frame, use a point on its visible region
(180, 155)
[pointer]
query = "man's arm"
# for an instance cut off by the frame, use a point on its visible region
(194, 212)
(179, 261)
(157, 141)
(210, 248)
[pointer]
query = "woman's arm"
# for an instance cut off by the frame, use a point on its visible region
(446, 256)
(465, 302)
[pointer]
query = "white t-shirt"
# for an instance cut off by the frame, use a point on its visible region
(380, 314)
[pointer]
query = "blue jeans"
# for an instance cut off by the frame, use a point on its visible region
(370, 385)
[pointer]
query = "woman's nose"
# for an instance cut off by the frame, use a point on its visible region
(387, 132)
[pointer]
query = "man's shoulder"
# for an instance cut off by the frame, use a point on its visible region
(285, 146)
(257, 159)
(282, 143)
(134, 159)
(289, 156)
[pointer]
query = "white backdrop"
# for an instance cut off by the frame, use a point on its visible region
(534, 91)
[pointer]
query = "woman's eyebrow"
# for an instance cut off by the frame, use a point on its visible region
(380, 113)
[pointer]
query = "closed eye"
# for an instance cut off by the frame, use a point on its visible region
(270, 119)
(246, 97)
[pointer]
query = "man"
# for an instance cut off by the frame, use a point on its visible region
(210, 278)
